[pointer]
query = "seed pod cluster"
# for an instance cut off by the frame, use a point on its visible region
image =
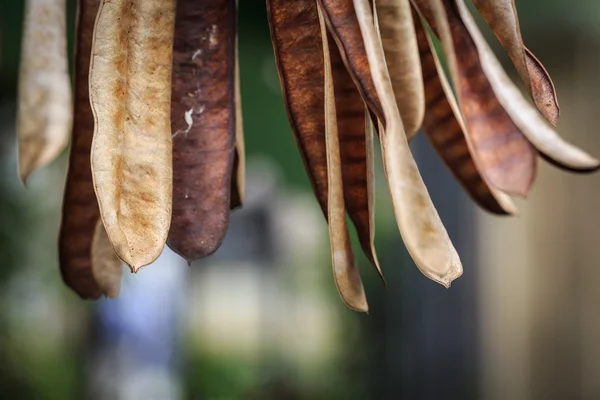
(157, 154)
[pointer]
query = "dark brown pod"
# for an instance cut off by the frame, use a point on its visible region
(297, 44)
(203, 123)
(80, 208)
(341, 20)
(445, 131)
(505, 156)
(298, 47)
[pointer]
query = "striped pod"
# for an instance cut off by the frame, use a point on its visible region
(356, 156)
(296, 37)
(81, 226)
(343, 25)
(505, 156)
(445, 131)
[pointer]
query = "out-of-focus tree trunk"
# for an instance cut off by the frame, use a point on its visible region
(539, 272)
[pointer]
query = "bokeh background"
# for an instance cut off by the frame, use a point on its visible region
(261, 319)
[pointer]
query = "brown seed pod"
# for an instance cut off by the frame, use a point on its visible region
(44, 105)
(296, 37)
(297, 42)
(203, 114)
(444, 128)
(130, 94)
(501, 16)
(81, 217)
(397, 29)
(355, 153)
(504, 154)
(533, 125)
(238, 178)
(342, 22)
(345, 271)
(422, 230)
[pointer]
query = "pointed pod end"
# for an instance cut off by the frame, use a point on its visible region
(584, 164)
(112, 294)
(28, 163)
(135, 268)
(192, 249)
(356, 301)
(23, 175)
(372, 255)
(360, 307)
(506, 206)
(454, 272)
(520, 186)
(137, 261)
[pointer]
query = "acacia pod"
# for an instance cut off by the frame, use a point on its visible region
(501, 16)
(533, 125)
(130, 94)
(80, 215)
(444, 128)
(355, 153)
(297, 45)
(296, 34)
(504, 154)
(422, 230)
(345, 271)
(44, 104)
(397, 30)
(203, 115)
(238, 178)
(341, 20)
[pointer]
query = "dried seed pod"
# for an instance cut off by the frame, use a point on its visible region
(504, 154)
(342, 23)
(297, 45)
(296, 34)
(106, 267)
(533, 125)
(238, 178)
(203, 116)
(130, 94)
(345, 271)
(356, 151)
(445, 130)
(81, 217)
(396, 26)
(45, 113)
(422, 230)
(501, 16)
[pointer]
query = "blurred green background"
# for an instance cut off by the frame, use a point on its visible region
(261, 319)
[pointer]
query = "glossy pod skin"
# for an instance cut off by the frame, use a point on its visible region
(203, 124)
